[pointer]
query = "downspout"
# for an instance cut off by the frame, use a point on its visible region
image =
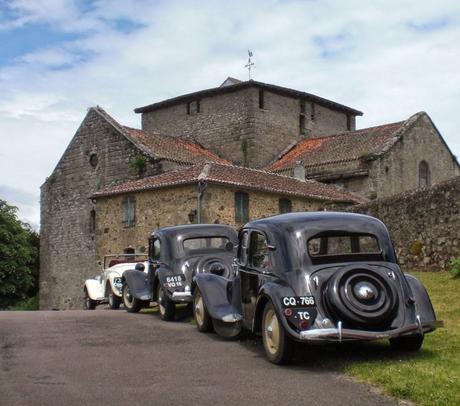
(201, 188)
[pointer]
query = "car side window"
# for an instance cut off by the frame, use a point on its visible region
(258, 251)
(156, 249)
(243, 248)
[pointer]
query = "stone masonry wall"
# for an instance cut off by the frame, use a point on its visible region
(170, 206)
(67, 250)
(424, 225)
(225, 120)
(398, 170)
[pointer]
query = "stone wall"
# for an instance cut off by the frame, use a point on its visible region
(171, 206)
(424, 225)
(67, 249)
(225, 120)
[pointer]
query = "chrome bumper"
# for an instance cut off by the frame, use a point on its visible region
(340, 334)
(182, 295)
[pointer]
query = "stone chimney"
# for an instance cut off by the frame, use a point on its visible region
(299, 170)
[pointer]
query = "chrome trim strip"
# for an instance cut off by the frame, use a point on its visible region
(340, 334)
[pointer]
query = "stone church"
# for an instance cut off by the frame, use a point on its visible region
(229, 154)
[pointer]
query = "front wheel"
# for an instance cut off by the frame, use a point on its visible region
(132, 305)
(166, 307)
(407, 343)
(90, 304)
(277, 344)
(200, 313)
(114, 300)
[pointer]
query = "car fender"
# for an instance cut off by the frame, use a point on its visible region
(94, 289)
(273, 292)
(137, 282)
(423, 304)
(213, 289)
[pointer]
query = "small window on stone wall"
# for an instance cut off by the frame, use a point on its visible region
(93, 160)
(129, 211)
(312, 114)
(424, 180)
(193, 107)
(261, 99)
(285, 206)
(92, 224)
(241, 207)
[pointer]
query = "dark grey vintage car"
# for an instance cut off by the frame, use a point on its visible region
(312, 277)
(175, 256)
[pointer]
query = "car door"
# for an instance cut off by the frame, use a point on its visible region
(154, 260)
(253, 272)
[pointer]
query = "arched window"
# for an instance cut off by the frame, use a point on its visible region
(241, 207)
(424, 175)
(285, 206)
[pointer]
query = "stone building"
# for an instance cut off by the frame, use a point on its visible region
(191, 162)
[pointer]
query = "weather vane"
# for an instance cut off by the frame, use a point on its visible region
(250, 64)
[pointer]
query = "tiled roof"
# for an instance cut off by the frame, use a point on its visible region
(237, 177)
(244, 85)
(173, 148)
(343, 147)
(161, 146)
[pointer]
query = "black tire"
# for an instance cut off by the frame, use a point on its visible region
(279, 348)
(411, 343)
(166, 308)
(90, 304)
(132, 305)
(200, 313)
(114, 300)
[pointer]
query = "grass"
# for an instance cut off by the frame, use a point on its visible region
(27, 304)
(432, 376)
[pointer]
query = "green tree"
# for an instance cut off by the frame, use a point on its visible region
(18, 257)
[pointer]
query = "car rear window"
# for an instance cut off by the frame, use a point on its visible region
(338, 245)
(200, 243)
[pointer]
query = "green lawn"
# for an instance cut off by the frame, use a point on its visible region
(430, 377)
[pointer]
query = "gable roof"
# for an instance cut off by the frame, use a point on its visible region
(343, 147)
(238, 177)
(161, 146)
(244, 85)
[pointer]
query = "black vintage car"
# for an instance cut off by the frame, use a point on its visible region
(175, 256)
(315, 277)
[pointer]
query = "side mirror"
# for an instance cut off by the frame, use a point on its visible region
(139, 267)
(229, 246)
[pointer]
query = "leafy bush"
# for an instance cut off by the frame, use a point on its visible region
(455, 267)
(18, 258)
(28, 304)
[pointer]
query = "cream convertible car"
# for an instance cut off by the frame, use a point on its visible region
(107, 287)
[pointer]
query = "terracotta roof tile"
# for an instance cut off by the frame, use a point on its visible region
(347, 146)
(173, 148)
(239, 177)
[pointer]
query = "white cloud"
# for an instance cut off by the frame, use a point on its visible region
(387, 58)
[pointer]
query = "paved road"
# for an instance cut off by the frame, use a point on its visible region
(108, 357)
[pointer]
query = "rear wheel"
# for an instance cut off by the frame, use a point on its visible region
(132, 305)
(114, 300)
(90, 304)
(166, 307)
(277, 344)
(202, 318)
(408, 343)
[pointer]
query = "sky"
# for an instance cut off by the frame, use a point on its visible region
(387, 58)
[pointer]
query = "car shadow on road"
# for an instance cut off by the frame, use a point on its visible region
(334, 357)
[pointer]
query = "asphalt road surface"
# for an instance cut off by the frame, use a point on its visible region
(107, 357)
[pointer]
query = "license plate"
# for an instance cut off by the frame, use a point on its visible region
(117, 282)
(174, 281)
(298, 301)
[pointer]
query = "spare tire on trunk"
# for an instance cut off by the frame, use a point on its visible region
(362, 297)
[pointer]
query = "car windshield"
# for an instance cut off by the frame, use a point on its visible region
(199, 243)
(332, 247)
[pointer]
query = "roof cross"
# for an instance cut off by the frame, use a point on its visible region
(250, 64)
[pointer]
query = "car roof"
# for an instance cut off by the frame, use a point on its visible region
(197, 230)
(316, 222)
